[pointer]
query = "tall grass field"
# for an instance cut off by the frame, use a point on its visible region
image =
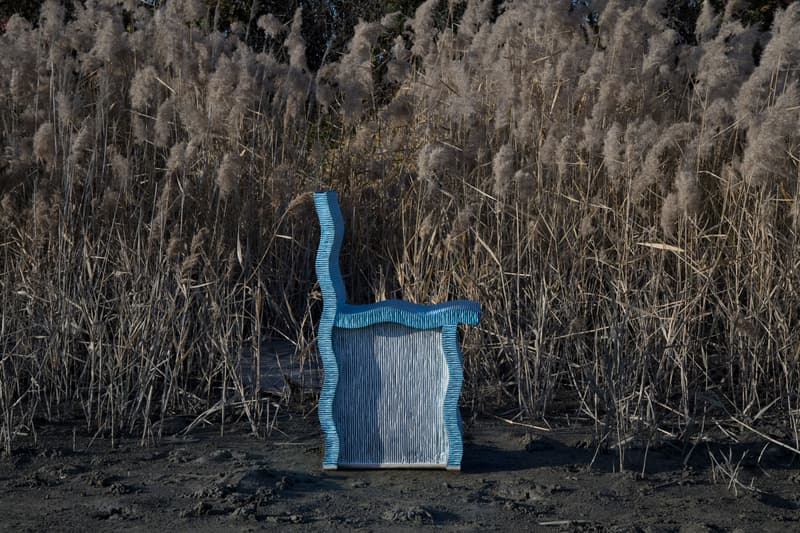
(622, 198)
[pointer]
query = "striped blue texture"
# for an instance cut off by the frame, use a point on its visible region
(455, 376)
(332, 287)
(409, 314)
(389, 402)
(392, 369)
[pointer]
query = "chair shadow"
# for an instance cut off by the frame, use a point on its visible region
(667, 458)
(483, 459)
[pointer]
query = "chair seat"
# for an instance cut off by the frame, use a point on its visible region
(413, 315)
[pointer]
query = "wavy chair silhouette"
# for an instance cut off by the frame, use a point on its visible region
(392, 370)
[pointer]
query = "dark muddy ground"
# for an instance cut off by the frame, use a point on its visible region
(513, 478)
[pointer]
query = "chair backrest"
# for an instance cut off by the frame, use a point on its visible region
(330, 244)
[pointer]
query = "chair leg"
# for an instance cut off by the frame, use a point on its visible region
(455, 378)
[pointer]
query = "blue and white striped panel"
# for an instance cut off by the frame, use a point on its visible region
(389, 403)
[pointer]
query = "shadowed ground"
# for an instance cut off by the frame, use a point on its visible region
(513, 478)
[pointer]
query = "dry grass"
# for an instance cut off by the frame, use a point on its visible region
(624, 208)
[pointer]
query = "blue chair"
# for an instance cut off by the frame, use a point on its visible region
(392, 370)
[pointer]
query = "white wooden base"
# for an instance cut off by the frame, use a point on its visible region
(404, 466)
